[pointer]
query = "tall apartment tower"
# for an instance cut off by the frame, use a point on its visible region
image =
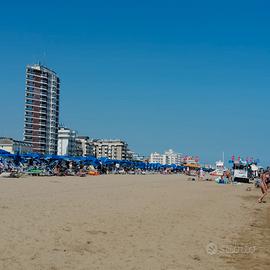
(41, 109)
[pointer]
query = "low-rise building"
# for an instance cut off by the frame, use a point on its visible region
(169, 157)
(139, 157)
(15, 146)
(113, 149)
(136, 157)
(85, 146)
(157, 158)
(173, 157)
(67, 142)
(190, 160)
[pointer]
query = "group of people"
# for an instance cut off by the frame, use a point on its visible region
(226, 177)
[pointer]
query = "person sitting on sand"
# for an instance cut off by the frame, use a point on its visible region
(228, 175)
(265, 177)
(57, 170)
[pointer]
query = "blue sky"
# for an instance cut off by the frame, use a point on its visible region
(189, 75)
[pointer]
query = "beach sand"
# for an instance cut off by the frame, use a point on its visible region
(131, 222)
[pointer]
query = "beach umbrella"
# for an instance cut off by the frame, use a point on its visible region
(8, 155)
(181, 168)
(31, 155)
(2, 152)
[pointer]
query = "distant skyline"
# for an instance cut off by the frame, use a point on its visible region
(192, 76)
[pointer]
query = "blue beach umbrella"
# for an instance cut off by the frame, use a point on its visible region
(31, 155)
(2, 152)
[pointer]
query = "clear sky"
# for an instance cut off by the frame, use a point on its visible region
(193, 76)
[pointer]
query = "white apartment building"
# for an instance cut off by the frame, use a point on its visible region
(172, 157)
(169, 157)
(157, 158)
(67, 142)
(137, 157)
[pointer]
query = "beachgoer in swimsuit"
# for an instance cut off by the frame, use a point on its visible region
(228, 175)
(265, 178)
(200, 174)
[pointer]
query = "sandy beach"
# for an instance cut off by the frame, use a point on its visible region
(131, 222)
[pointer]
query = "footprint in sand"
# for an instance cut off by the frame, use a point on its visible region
(93, 232)
(67, 229)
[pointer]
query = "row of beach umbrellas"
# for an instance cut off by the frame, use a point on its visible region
(89, 160)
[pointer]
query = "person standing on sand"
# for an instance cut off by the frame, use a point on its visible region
(201, 174)
(265, 177)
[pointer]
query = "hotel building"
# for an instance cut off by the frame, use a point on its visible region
(66, 142)
(169, 157)
(113, 149)
(85, 146)
(41, 109)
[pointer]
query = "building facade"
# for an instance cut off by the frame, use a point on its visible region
(41, 120)
(169, 157)
(85, 146)
(138, 157)
(14, 146)
(67, 144)
(157, 158)
(172, 157)
(112, 149)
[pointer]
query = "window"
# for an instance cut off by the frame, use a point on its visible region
(30, 95)
(30, 83)
(30, 89)
(29, 101)
(28, 120)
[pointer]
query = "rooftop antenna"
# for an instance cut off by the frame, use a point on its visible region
(43, 59)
